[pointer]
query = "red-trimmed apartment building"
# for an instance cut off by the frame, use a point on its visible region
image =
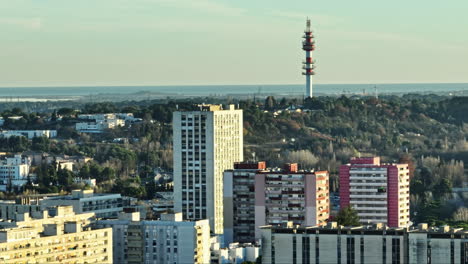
(378, 192)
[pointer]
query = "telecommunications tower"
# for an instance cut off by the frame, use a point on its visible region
(308, 45)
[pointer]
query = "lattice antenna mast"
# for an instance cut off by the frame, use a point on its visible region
(308, 45)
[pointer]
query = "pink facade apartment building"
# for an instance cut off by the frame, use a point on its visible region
(290, 195)
(378, 192)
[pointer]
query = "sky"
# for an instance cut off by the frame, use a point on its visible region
(209, 42)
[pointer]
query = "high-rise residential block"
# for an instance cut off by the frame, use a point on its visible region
(239, 202)
(206, 143)
(378, 192)
(301, 197)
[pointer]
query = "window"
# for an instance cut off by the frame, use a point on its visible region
(272, 249)
(362, 250)
(384, 250)
(396, 251)
(294, 250)
(317, 250)
(305, 250)
(350, 250)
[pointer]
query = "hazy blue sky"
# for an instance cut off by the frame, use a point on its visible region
(171, 42)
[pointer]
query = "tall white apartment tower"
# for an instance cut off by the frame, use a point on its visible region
(206, 143)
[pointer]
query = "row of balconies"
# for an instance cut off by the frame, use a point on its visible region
(375, 214)
(383, 195)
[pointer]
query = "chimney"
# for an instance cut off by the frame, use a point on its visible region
(290, 167)
(422, 227)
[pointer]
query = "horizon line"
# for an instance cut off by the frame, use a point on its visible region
(201, 85)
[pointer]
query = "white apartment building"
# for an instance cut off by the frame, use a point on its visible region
(29, 134)
(14, 172)
(99, 122)
(235, 253)
(83, 201)
(206, 143)
(169, 240)
(99, 126)
(100, 117)
(97, 117)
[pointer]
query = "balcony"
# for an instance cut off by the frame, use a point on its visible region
(377, 184)
(362, 215)
(368, 203)
(376, 196)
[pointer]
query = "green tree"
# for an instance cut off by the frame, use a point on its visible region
(41, 144)
(65, 177)
(417, 187)
(85, 172)
(347, 216)
(442, 188)
(150, 188)
(106, 174)
(66, 111)
(270, 103)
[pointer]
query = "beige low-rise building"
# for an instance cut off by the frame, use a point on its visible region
(65, 237)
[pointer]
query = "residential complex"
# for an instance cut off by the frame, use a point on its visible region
(104, 205)
(11, 210)
(239, 202)
(206, 143)
(163, 204)
(97, 123)
(234, 253)
(378, 192)
(365, 244)
(29, 134)
(65, 237)
(291, 195)
(169, 240)
(14, 172)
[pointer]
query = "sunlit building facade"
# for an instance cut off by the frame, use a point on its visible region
(65, 237)
(378, 192)
(289, 195)
(206, 143)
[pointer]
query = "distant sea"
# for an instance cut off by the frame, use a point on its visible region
(62, 93)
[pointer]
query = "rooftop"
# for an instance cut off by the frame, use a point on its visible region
(377, 229)
(83, 194)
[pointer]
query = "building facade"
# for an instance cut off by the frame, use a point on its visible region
(239, 202)
(29, 134)
(234, 253)
(169, 240)
(97, 123)
(14, 172)
(10, 210)
(206, 143)
(102, 204)
(366, 244)
(291, 195)
(378, 192)
(66, 237)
